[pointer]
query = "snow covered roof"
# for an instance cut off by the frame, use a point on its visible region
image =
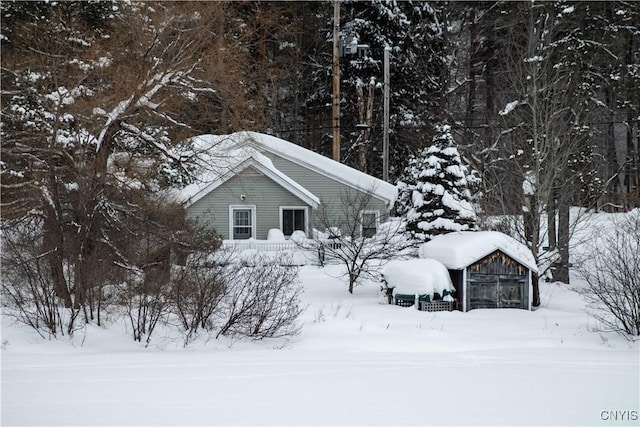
(225, 161)
(460, 249)
(258, 142)
(417, 277)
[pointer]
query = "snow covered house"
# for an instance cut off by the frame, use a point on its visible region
(251, 183)
(488, 269)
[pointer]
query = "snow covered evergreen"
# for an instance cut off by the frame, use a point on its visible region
(434, 192)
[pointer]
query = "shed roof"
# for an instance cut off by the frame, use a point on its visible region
(460, 249)
(417, 277)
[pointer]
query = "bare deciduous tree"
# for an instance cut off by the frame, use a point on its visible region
(153, 236)
(544, 137)
(350, 237)
(92, 114)
(611, 269)
(146, 304)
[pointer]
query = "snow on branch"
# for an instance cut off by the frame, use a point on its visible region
(161, 80)
(509, 108)
(111, 118)
(151, 140)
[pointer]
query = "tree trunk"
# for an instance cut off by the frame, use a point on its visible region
(353, 276)
(369, 120)
(562, 272)
(365, 116)
(633, 164)
(489, 87)
(471, 93)
(53, 242)
(529, 218)
(536, 290)
(551, 221)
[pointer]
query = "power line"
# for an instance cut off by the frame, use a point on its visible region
(427, 127)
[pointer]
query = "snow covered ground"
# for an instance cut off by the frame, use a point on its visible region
(358, 361)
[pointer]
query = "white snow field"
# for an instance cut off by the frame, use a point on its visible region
(358, 361)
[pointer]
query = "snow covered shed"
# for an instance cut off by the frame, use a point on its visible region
(422, 281)
(488, 269)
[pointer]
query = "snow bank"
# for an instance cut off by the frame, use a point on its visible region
(259, 251)
(417, 277)
(460, 249)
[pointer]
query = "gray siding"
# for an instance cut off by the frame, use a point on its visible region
(259, 190)
(330, 191)
(267, 196)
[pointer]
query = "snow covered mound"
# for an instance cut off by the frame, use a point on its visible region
(417, 277)
(275, 235)
(460, 249)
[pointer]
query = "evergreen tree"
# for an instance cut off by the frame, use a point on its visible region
(434, 194)
(414, 33)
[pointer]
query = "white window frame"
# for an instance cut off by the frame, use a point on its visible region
(370, 211)
(306, 217)
(253, 218)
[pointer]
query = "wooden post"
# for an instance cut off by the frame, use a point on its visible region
(336, 80)
(385, 133)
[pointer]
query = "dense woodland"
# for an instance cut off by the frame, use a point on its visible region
(541, 99)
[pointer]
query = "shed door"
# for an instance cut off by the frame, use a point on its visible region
(497, 281)
(494, 291)
(483, 292)
(510, 293)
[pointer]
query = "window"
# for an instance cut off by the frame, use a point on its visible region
(293, 218)
(370, 221)
(242, 223)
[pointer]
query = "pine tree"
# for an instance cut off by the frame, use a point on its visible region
(435, 194)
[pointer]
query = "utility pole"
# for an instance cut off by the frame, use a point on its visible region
(336, 80)
(385, 132)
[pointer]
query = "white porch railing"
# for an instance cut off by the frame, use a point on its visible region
(275, 246)
(260, 245)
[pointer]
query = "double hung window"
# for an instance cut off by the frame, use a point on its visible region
(370, 221)
(242, 219)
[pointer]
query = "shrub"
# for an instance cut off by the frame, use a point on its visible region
(29, 293)
(611, 270)
(263, 300)
(198, 290)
